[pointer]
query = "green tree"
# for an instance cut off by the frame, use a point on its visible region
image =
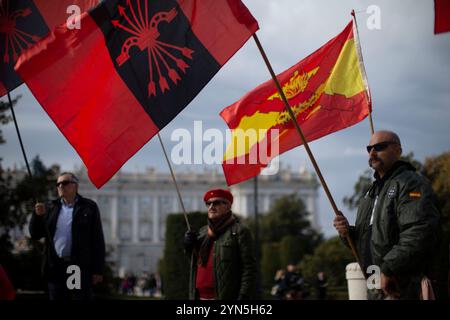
(292, 249)
(286, 235)
(331, 257)
(288, 216)
(270, 262)
(5, 116)
(176, 264)
(17, 195)
(437, 170)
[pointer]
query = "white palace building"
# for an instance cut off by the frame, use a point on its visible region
(134, 207)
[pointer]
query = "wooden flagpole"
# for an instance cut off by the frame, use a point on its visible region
(305, 143)
(180, 199)
(19, 136)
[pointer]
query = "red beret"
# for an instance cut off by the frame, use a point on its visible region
(218, 193)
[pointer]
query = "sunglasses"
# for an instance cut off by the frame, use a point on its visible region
(380, 146)
(64, 183)
(214, 203)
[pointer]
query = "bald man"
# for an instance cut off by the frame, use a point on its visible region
(397, 224)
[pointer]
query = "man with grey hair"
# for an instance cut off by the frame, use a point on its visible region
(398, 224)
(72, 229)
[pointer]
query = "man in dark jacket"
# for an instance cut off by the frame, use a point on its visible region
(73, 232)
(224, 265)
(398, 224)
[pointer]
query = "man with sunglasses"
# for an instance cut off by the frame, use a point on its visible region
(397, 224)
(224, 265)
(72, 228)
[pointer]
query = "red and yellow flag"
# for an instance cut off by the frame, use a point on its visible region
(326, 92)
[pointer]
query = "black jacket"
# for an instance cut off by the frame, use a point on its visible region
(88, 244)
(234, 264)
(405, 232)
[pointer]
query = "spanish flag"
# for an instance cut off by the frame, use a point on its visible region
(326, 91)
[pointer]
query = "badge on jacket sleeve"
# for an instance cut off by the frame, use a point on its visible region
(415, 194)
(392, 192)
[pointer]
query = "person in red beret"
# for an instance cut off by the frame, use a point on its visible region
(224, 265)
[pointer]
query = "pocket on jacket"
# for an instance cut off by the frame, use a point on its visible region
(226, 252)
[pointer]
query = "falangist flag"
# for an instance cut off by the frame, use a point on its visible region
(25, 22)
(327, 93)
(131, 68)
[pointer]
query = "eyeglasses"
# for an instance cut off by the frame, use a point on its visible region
(64, 183)
(214, 203)
(380, 146)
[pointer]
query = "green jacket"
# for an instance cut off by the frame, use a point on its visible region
(234, 264)
(404, 231)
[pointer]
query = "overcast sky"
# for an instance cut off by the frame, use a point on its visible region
(407, 65)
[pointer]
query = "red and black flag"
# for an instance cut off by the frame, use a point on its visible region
(22, 24)
(131, 68)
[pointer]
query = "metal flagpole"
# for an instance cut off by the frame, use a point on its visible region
(363, 70)
(305, 143)
(180, 199)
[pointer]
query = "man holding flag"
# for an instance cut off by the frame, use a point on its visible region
(397, 224)
(223, 265)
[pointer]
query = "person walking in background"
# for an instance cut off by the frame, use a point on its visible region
(277, 289)
(321, 286)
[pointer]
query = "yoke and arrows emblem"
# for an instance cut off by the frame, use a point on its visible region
(16, 40)
(163, 58)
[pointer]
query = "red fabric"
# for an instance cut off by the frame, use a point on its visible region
(54, 13)
(442, 16)
(6, 288)
(3, 90)
(205, 278)
(325, 115)
(89, 102)
(218, 193)
(72, 76)
(233, 17)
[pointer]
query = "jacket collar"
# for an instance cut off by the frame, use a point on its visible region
(396, 169)
(63, 203)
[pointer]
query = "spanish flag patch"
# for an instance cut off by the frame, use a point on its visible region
(415, 194)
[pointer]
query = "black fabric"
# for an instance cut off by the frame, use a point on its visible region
(22, 26)
(134, 67)
(190, 240)
(88, 244)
